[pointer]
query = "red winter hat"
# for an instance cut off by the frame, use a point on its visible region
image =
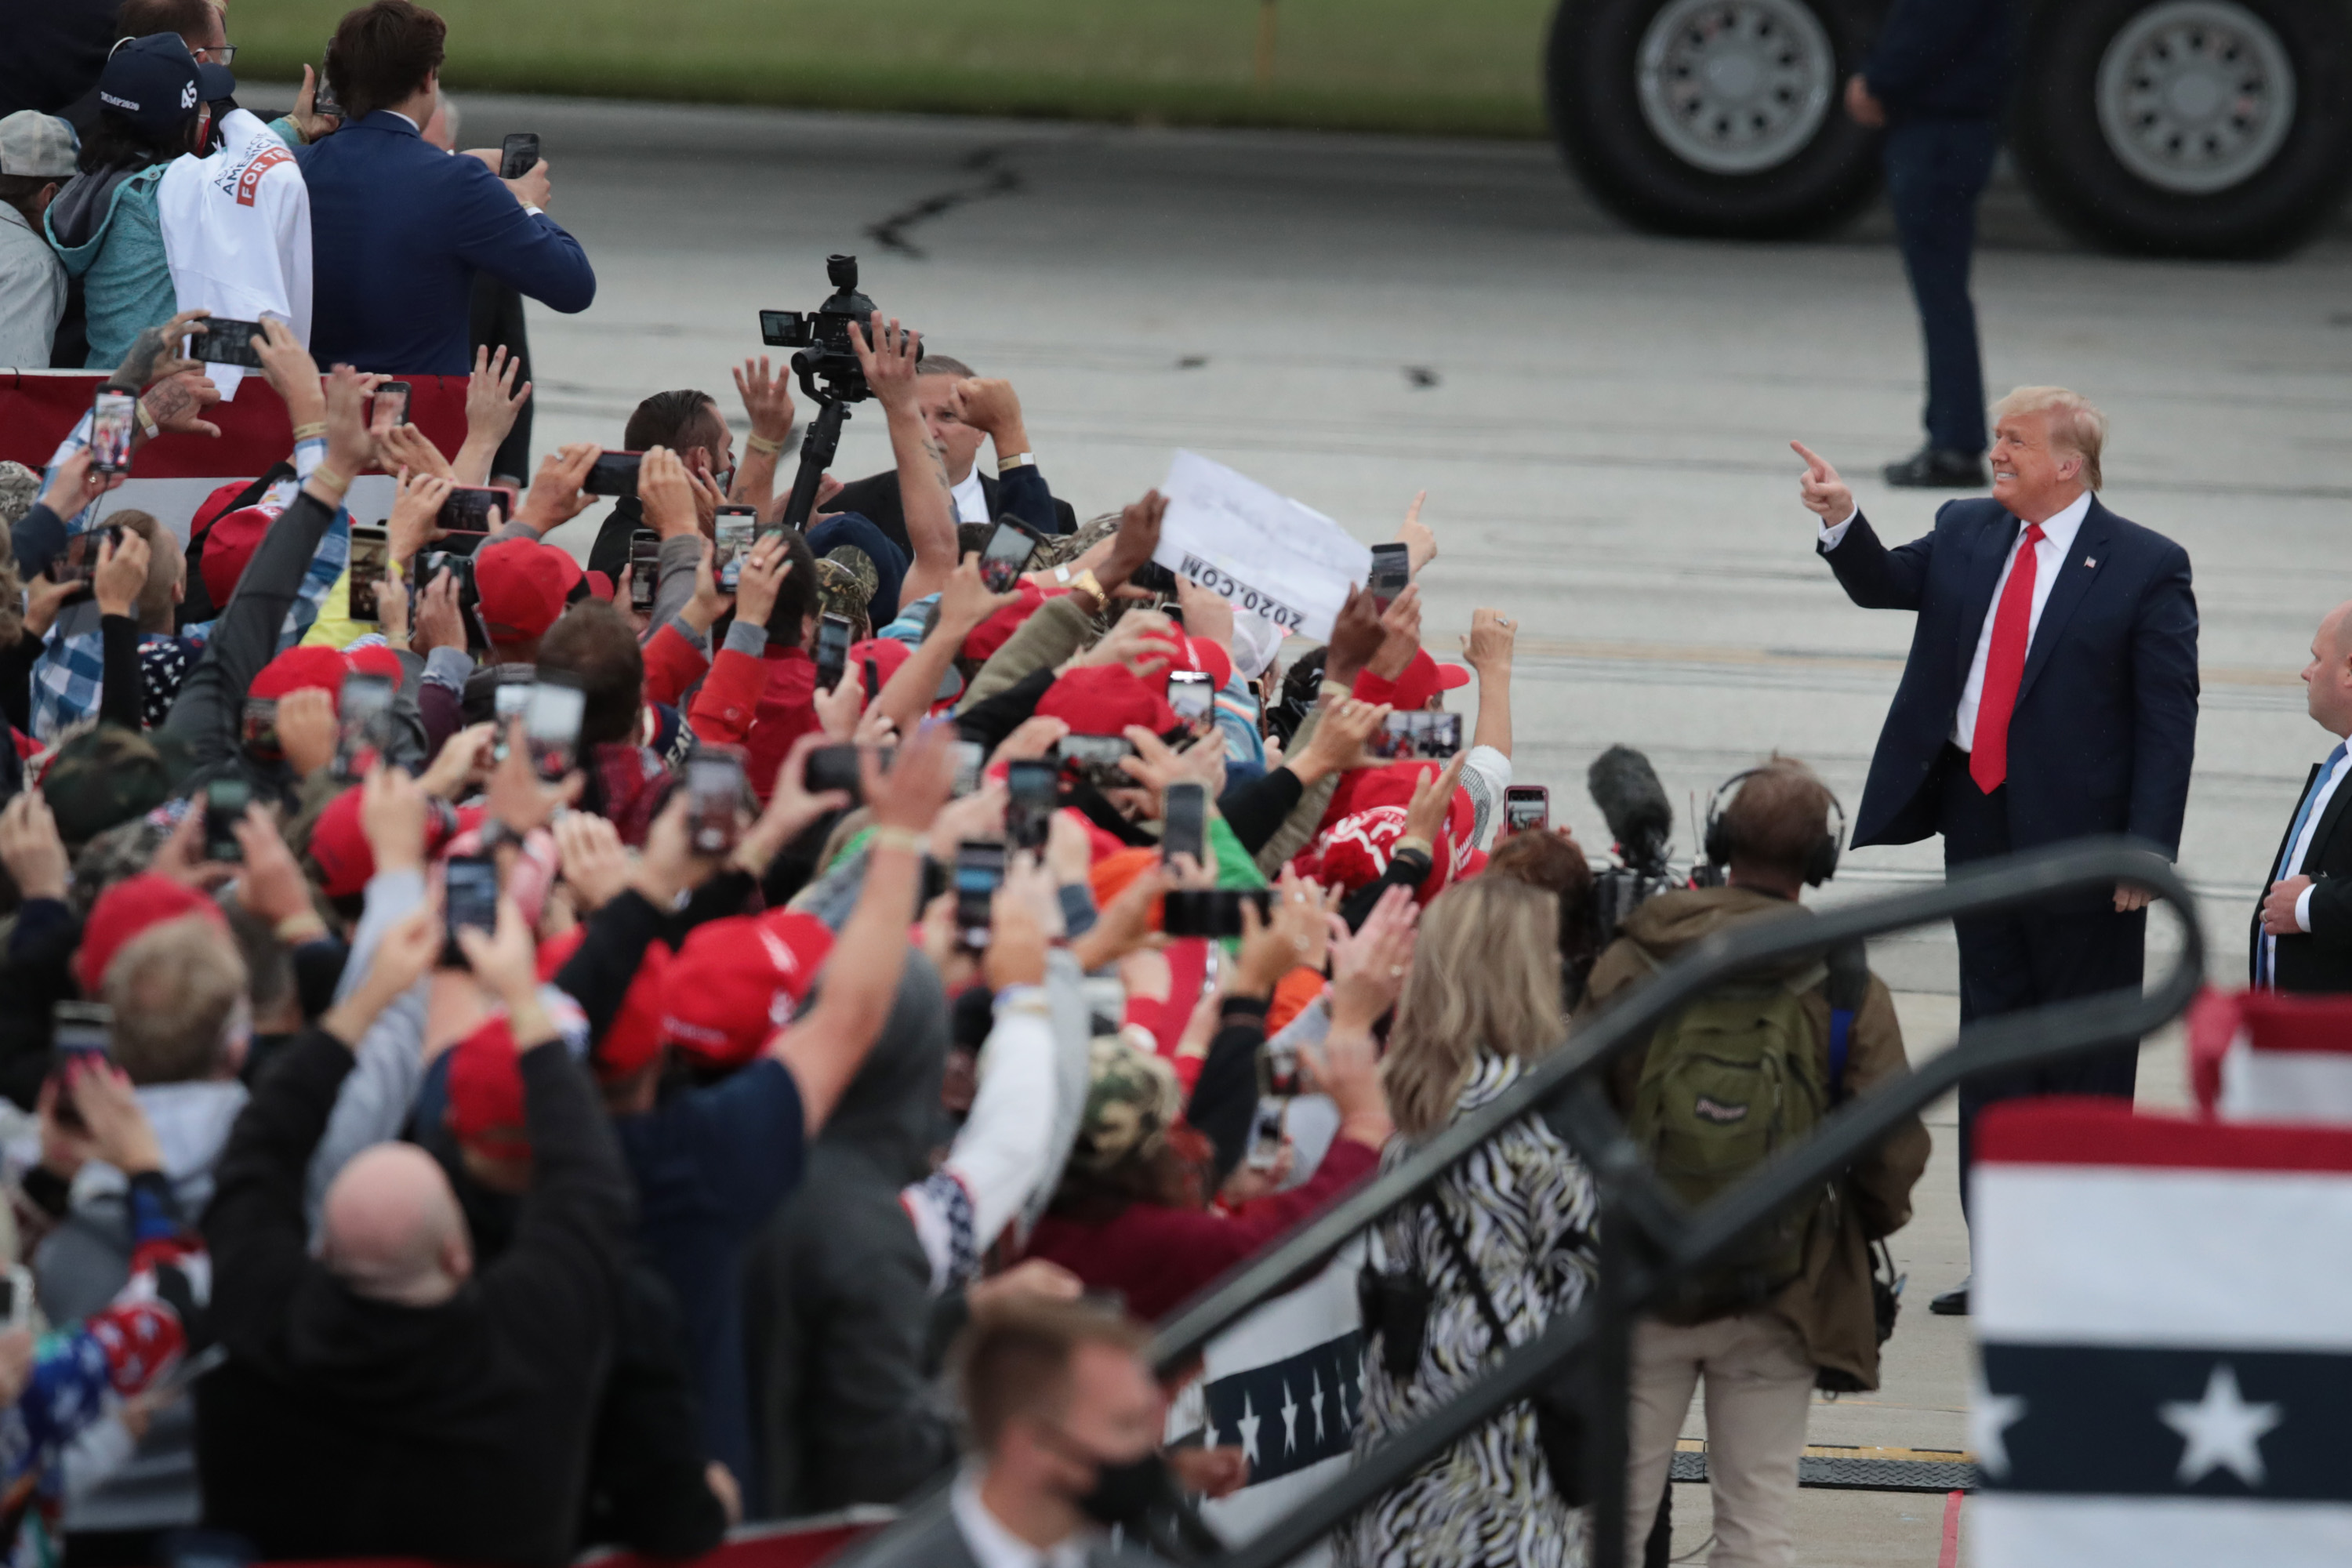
(737, 981)
(127, 910)
(486, 1105)
(1104, 700)
(340, 850)
(524, 586)
(1424, 678)
(229, 547)
(994, 632)
(301, 668)
(601, 586)
(635, 1037)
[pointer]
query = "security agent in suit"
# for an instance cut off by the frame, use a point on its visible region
(960, 409)
(2303, 927)
(1936, 80)
(2050, 694)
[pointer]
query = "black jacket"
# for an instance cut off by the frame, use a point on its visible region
(1944, 59)
(51, 52)
(838, 1288)
(2321, 958)
(342, 1426)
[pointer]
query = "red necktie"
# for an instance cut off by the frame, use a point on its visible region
(2012, 626)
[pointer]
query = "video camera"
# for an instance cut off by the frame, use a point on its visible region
(1642, 820)
(821, 335)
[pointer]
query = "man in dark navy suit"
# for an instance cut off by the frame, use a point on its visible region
(2050, 694)
(2303, 927)
(401, 227)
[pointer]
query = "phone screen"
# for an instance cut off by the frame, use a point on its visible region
(645, 570)
(370, 552)
(979, 872)
(225, 341)
(831, 650)
(1392, 570)
(390, 403)
(1186, 828)
(323, 100)
(1189, 695)
(1008, 552)
(731, 537)
(468, 508)
(971, 758)
(551, 724)
(1096, 759)
(113, 416)
(1035, 787)
(519, 155)
(714, 783)
(259, 731)
(1526, 808)
(1267, 1132)
(363, 724)
(224, 803)
(78, 563)
(615, 474)
(1418, 734)
(470, 897)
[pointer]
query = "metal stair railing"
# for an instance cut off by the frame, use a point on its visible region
(1649, 1242)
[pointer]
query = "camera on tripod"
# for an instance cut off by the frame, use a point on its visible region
(827, 364)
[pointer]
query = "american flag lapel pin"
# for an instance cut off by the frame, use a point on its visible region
(2089, 563)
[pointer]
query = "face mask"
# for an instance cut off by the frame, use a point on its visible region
(1122, 1492)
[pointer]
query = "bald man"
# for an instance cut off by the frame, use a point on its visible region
(384, 1398)
(2303, 930)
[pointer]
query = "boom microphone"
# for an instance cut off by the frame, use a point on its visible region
(1634, 803)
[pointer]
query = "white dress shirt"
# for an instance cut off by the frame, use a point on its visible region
(993, 1546)
(2291, 866)
(2057, 539)
(971, 499)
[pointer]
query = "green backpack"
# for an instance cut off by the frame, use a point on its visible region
(1730, 1081)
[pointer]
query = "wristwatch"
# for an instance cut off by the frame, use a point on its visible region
(1018, 460)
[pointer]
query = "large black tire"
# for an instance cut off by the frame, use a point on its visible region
(1593, 83)
(2074, 169)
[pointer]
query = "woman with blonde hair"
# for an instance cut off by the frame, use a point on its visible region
(1481, 1003)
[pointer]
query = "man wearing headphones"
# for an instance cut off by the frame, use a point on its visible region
(1738, 1075)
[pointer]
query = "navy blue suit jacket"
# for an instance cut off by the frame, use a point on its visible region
(398, 228)
(2106, 723)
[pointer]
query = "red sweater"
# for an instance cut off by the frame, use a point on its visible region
(1160, 1257)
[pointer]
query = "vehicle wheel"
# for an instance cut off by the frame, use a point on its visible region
(2189, 127)
(1714, 117)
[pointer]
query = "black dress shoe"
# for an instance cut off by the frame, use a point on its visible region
(1935, 469)
(1953, 1304)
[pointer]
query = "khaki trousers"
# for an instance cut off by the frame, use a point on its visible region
(1758, 1388)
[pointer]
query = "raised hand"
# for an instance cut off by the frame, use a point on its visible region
(888, 356)
(493, 403)
(1825, 495)
(767, 399)
(121, 573)
(1420, 544)
(555, 497)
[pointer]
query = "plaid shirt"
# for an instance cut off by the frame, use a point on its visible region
(70, 676)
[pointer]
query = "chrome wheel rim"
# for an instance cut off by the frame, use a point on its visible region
(2196, 96)
(1736, 87)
